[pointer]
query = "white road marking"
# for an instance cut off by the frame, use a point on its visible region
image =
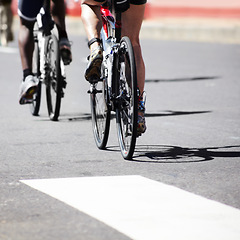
(144, 209)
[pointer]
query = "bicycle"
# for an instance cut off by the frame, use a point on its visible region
(47, 64)
(116, 90)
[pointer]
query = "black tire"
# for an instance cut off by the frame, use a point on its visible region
(100, 114)
(126, 100)
(53, 78)
(35, 106)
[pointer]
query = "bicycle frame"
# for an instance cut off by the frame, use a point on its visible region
(108, 41)
(111, 36)
(45, 27)
(116, 89)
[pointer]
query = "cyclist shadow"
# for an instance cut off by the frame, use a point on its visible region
(176, 154)
(186, 79)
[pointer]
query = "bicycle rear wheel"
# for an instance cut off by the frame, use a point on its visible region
(54, 78)
(100, 113)
(126, 100)
(35, 106)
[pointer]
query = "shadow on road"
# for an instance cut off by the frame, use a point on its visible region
(176, 154)
(173, 113)
(87, 117)
(201, 78)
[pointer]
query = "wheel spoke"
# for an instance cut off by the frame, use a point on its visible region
(100, 114)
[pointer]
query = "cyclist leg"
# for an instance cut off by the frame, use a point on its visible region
(9, 22)
(27, 10)
(58, 13)
(131, 25)
(91, 17)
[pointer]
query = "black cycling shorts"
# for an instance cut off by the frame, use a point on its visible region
(29, 9)
(138, 2)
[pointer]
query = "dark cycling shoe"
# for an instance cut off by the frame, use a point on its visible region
(93, 71)
(141, 123)
(141, 127)
(65, 50)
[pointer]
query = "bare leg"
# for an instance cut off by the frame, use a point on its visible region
(58, 13)
(26, 43)
(131, 25)
(91, 17)
(26, 47)
(92, 20)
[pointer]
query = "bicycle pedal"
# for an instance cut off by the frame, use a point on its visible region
(94, 91)
(26, 101)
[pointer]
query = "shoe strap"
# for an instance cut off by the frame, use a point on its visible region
(142, 102)
(141, 106)
(93, 40)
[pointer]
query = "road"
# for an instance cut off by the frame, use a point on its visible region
(192, 143)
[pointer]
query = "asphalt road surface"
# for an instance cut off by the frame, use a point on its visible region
(183, 181)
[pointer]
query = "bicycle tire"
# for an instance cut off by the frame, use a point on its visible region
(54, 79)
(35, 105)
(126, 100)
(101, 113)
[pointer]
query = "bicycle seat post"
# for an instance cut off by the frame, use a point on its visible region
(118, 26)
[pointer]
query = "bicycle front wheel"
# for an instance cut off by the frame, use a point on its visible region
(100, 113)
(53, 78)
(126, 99)
(35, 106)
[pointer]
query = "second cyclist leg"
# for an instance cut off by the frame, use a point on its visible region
(131, 25)
(58, 13)
(91, 17)
(26, 46)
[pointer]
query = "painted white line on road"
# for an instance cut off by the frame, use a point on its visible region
(144, 209)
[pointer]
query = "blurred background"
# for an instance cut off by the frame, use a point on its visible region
(192, 20)
(174, 8)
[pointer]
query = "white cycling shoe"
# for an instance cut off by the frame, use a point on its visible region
(27, 89)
